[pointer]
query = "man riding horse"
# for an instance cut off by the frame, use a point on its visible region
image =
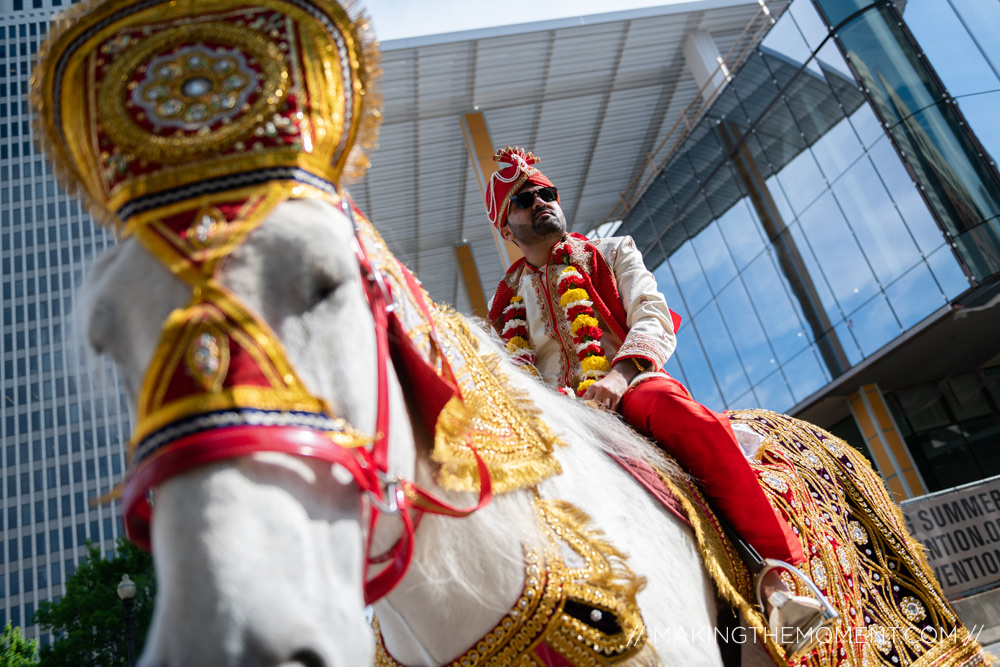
(586, 317)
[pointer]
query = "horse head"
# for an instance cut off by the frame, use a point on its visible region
(259, 558)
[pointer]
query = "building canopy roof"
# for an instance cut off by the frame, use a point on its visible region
(593, 96)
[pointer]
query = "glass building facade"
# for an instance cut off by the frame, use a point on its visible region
(62, 417)
(840, 193)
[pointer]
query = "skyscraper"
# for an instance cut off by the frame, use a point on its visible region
(63, 417)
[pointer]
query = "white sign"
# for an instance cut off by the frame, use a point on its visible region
(960, 528)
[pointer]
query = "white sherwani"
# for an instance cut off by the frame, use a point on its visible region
(647, 334)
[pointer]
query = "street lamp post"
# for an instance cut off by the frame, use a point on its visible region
(126, 591)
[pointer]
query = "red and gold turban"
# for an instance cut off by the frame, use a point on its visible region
(516, 169)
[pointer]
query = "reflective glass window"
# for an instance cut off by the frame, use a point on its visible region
(697, 372)
(982, 20)
(943, 157)
(948, 272)
(773, 393)
(817, 282)
(904, 193)
(667, 285)
(742, 233)
(805, 374)
(980, 248)
(981, 113)
(714, 257)
(639, 227)
(673, 367)
(896, 78)
(780, 318)
(726, 186)
(945, 41)
(697, 214)
(780, 200)
(867, 125)
(915, 295)
(875, 221)
(874, 325)
(846, 342)
(831, 60)
(837, 150)
(778, 136)
(809, 22)
(755, 86)
(705, 149)
(784, 38)
(656, 196)
(719, 348)
(690, 278)
(751, 342)
(837, 11)
(815, 105)
(802, 181)
(678, 182)
(842, 262)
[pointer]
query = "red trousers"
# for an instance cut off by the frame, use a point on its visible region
(704, 444)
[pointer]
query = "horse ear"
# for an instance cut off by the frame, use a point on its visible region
(418, 377)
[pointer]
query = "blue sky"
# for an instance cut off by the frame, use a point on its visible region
(398, 19)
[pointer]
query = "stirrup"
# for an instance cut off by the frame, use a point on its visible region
(795, 618)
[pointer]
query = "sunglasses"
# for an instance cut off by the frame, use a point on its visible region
(527, 199)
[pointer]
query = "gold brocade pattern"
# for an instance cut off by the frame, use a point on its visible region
(858, 552)
(141, 103)
(507, 429)
(585, 614)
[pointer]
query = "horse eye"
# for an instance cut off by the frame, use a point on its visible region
(322, 291)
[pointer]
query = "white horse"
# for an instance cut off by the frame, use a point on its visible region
(259, 559)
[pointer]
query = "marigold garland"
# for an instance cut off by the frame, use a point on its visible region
(583, 326)
(515, 333)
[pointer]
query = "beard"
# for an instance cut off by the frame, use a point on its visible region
(546, 224)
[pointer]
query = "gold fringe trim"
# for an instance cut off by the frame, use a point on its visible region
(962, 650)
(47, 136)
(731, 578)
(507, 429)
(878, 576)
(370, 69)
(607, 567)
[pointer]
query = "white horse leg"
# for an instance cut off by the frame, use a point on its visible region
(263, 567)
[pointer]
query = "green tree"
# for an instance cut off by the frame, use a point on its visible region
(88, 623)
(15, 650)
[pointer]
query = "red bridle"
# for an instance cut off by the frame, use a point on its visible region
(400, 496)
(368, 463)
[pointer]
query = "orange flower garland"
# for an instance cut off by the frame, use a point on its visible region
(515, 333)
(584, 327)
